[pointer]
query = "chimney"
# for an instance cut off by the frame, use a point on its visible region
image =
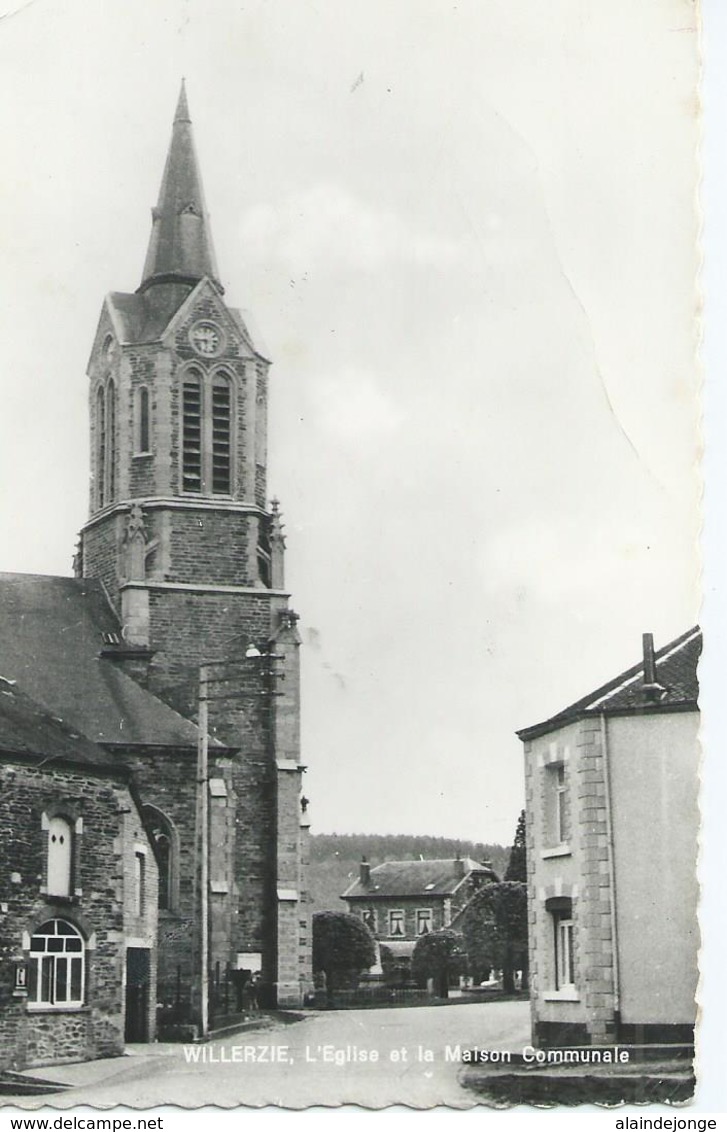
(649, 662)
(653, 691)
(459, 869)
(364, 872)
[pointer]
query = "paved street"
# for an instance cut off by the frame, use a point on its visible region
(366, 1057)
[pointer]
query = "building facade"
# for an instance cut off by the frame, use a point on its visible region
(78, 895)
(612, 825)
(400, 901)
(183, 641)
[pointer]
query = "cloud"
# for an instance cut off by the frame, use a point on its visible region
(351, 405)
(326, 228)
(562, 560)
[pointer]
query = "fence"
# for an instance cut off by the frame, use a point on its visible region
(380, 996)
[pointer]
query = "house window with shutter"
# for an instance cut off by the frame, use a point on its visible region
(60, 857)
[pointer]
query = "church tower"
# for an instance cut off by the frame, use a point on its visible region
(191, 555)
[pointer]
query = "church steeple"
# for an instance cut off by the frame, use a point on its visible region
(180, 247)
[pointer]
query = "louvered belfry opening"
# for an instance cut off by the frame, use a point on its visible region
(221, 446)
(192, 433)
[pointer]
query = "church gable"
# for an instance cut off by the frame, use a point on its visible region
(203, 328)
(109, 331)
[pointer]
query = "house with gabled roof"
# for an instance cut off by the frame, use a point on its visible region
(400, 901)
(612, 825)
(78, 893)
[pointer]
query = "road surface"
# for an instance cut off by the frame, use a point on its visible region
(372, 1058)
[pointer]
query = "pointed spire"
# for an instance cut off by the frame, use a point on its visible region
(180, 247)
(182, 114)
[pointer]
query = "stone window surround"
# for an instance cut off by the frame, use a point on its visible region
(36, 1006)
(139, 449)
(155, 814)
(105, 440)
(556, 815)
(559, 904)
(68, 811)
(429, 912)
(396, 915)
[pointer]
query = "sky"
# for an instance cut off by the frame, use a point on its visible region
(468, 235)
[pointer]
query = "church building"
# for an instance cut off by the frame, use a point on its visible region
(174, 648)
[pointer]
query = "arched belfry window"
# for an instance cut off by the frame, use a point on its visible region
(221, 435)
(192, 431)
(100, 446)
(56, 973)
(142, 421)
(105, 469)
(111, 446)
(207, 433)
(60, 857)
(166, 843)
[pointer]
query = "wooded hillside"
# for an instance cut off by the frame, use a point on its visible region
(335, 859)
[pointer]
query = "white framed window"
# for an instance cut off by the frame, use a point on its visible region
(563, 933)
(60, 857)
(556, 803)
(425, 920)
(396, 922)
(56, 972)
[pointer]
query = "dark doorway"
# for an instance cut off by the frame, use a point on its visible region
(138, 967)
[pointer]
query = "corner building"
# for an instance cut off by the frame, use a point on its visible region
(190, 554)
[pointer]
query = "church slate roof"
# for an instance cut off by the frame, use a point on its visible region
(415, 878)
(676, 673)
(30, 731)
(51, 637)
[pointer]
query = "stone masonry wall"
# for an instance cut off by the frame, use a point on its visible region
(597, 948)
(95, 806)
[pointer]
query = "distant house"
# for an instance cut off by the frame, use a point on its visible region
(613, 821)
(400, 901)
(78, 894)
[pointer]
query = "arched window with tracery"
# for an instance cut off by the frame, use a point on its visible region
(56, 972)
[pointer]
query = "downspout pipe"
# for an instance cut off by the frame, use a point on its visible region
(611, 869)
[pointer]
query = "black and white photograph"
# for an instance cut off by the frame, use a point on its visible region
(352, 636)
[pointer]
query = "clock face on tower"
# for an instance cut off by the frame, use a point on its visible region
(206, 338)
